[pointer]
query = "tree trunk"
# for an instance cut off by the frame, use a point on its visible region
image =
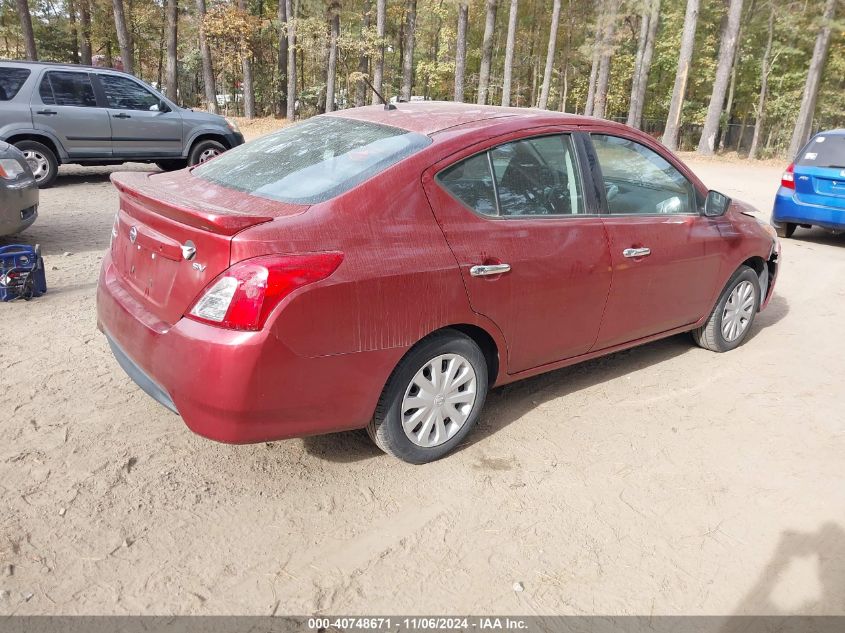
(172, 81)
(248, 85)
(603, 77)
(282, 60)
(804, 124)
(331, 69)
(74, 29)
(727, 49)
(594, 67)
(550, 56)
(724, 130)
(760, 110)
(85, 32)
(673, 121)
(364, 60)
(291, 93)
(26, 29)
(124, 37)
(408, 59)
(486, 52)
(651, 19)
(208, 80)
(509, 51)
(461, 50)
(378, 70)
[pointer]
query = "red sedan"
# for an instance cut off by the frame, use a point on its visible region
(383, 268)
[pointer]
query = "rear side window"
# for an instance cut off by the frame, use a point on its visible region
(825, 150)
(530, 177)
(67, 89)
(11, 80)
(471, 182)
(312, 161)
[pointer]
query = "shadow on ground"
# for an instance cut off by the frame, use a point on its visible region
(805, 576)
(508, 404)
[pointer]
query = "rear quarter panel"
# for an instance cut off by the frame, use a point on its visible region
(398, 281)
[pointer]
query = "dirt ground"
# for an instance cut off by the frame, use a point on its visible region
(661, 480)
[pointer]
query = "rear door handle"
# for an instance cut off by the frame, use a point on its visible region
(122, 115)
(637, 252)
(489, 269)
(47, 112)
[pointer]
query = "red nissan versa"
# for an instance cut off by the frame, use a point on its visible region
(383, 268)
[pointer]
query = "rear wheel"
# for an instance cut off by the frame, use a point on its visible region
(205, 150)
(785, 229)
(432, 399)
(731, 319)
(42, 161)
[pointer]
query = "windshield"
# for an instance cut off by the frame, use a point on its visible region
(825, 150)
(312, 161)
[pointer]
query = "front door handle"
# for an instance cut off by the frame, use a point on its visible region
(122, 115)
(489, 269)
(47, 112)
(637, 252)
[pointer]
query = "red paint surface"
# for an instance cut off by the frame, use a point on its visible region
(321, 361)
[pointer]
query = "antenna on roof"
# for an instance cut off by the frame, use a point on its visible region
(387, 106)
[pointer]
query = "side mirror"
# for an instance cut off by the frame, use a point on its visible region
(716, 204)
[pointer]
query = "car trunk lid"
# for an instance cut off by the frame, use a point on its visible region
(172, 236)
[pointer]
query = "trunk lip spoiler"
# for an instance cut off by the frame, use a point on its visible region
(222, 222)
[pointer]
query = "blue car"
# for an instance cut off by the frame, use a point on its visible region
(812, 189)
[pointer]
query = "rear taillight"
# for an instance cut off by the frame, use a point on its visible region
(242, 297)
(788, 178)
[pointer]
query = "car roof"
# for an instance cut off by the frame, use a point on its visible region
(63, 66)
(837, 132)
(430, 117)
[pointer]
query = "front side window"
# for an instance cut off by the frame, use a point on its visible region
(124, 94)
(638, 180)
(67, 89)
(313, 161)
(11, 80)
(530, 177)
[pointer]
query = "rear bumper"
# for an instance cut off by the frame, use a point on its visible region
(238, 387)
(788, 209)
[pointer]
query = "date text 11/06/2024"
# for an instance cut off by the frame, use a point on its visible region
(418, 623)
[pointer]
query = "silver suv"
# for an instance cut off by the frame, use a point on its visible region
(64, 113)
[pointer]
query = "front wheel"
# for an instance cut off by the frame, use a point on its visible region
(785, 229)
(171, 165)
(731, 319)
(432, 399)
(204, 151)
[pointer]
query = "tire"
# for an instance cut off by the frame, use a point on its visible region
(42, 160)
(205, 150)
(171, 165)
(785, 230)
(454, 352)
(721, 333)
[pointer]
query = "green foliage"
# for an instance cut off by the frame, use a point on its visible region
(234, 34)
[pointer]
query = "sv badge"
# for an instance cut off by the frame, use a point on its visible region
(198, 267)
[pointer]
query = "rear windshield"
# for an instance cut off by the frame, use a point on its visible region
(824, 151)
(312, 161)
(11, 80)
